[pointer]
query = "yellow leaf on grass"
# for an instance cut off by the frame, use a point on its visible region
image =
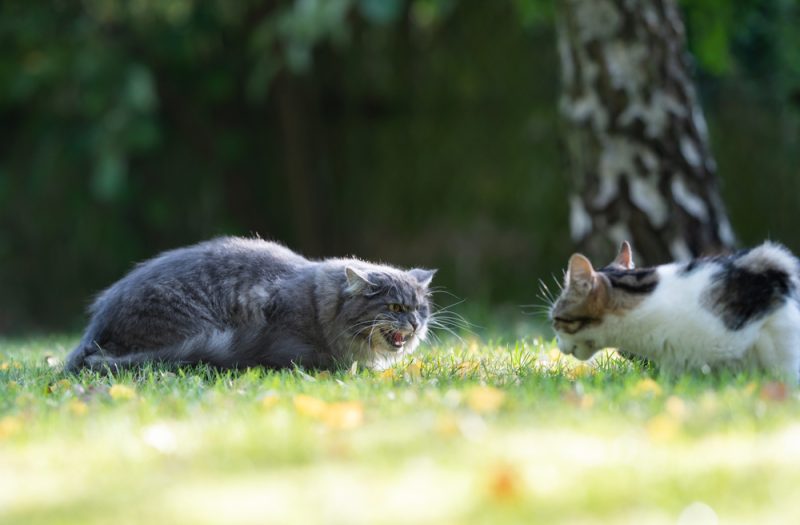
(309, 406)
(121, 392)
(413, 371)
(647, 387)
(9, 426)
(676, 407)
(505, 485)
(344, 415)
(774, 391)
(484, 399)
(554, 354)
(663, 427)
(387, 375)
(579, 400)
(446, 425)
(269, 401)
(468, 368)
(77, 407)
(579, 371)
(750, 388)
(59, 386)
(323, 375)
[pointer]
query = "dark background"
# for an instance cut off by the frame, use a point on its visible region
(421, 132)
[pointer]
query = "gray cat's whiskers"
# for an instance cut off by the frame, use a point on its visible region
(351, 329)
(450, 321)
(446, 314)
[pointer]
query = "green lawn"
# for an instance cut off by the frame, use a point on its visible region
(469, 432)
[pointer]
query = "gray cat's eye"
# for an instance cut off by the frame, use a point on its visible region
(397, 308)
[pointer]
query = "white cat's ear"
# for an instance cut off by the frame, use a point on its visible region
(357, 280)
(580, 271)
(423, 277)
(624, 257)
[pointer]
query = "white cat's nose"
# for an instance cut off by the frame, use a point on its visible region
(565, 348)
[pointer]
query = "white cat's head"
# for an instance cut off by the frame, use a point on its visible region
(591, 298)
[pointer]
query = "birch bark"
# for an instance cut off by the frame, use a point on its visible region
(635, 134)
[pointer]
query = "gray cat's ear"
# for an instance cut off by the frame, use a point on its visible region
(580, 272)
(423, 277)
(357, 280)
(625, 257)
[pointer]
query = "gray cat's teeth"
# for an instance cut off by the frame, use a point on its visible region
(395, 339)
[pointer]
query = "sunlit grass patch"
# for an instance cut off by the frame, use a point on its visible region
(496, 431)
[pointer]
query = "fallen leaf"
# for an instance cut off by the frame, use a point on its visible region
(77, 407)
(579, 371)
(554, 354)
(676, 407)
(485, 399)
(584, 401)
(9, 426)
(121, 392)
(309, 406)
(59, 386)
(774, 391)
(269, 401)
(387, 375)
(446, 425)
(709, 403)
(468, 368)
(324, 375)
(646, 388)
(663, 428)
(344, 415)
(413, 371)
(505, 485)
(751, 388)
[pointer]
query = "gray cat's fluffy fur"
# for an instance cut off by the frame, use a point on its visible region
(234, 302)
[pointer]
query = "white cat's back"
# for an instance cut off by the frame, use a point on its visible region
(682, 321)
(674, 323)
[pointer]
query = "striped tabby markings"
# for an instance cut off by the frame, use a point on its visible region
(591, 294)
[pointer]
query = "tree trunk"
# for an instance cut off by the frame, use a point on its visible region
(635, 134)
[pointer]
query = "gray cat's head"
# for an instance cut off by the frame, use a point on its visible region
(386, 310)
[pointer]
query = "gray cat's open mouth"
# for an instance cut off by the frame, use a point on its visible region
(395, 338)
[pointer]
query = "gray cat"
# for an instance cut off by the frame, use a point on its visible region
(234, 302)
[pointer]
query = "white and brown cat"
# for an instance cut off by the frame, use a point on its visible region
(740, 311)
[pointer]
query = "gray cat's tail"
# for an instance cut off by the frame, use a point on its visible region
(214, 347)
(77, 358)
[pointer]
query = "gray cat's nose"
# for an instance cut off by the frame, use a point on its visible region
(414, 324)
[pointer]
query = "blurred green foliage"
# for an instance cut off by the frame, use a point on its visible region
(412, 131)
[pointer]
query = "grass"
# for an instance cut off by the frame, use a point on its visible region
(474, 432)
